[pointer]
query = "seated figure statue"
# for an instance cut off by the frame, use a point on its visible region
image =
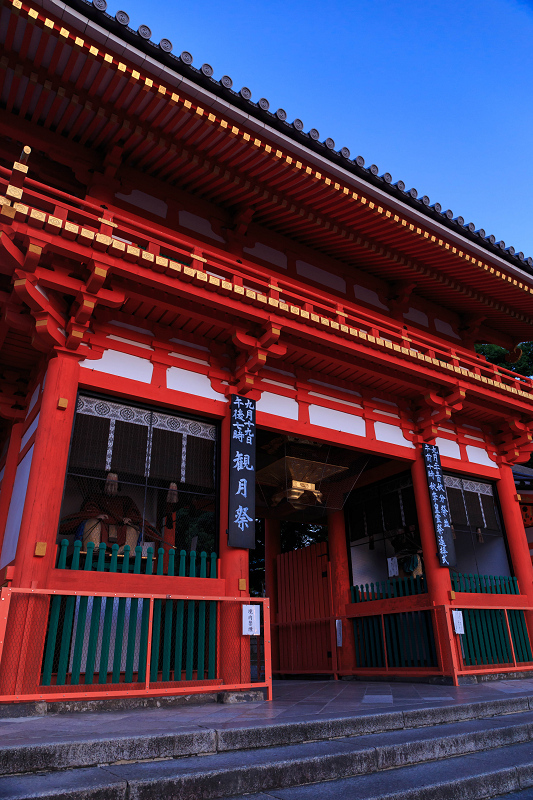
(109, 517)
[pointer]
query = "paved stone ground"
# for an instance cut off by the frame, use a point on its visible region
(293, 701)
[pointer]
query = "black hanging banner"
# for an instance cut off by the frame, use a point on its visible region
(439, 506)
(241, 523)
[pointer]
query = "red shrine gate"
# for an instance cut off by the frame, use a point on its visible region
(167, 244)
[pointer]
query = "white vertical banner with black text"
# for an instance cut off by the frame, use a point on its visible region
(241, 523)
(439, 506)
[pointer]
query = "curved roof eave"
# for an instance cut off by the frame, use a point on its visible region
(93, 18)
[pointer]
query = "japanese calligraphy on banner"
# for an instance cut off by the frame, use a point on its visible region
(439, 506)
(241, 527)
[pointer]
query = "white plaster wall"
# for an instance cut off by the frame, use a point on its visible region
(34, 398)
(29, 433)
(414, 315)
(182, 380)
(368, 296)
(278, 404)
(154, 205)
(198, 225)
(478, 455)
(122, 365)
(266, 253)
(321, 276)
(16, 507)
(391, 433)
(337, 420)
(448, 448)
(446, 328)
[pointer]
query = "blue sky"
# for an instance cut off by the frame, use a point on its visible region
(439, 94)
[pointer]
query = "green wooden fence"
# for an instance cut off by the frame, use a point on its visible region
(486, 584)
(486, 638)
(397, 587)
(105, 640)
(406, 638)
(121, 562)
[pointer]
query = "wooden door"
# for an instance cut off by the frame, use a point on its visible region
(304, 622)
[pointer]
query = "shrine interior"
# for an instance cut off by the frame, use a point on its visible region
(156, 469)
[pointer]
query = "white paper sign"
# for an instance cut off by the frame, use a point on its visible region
(392, 564)
(251, 621)
(338, 625)
(458, 621)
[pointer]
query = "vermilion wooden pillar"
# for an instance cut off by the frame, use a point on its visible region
(40, 521)
(234, 656)
(438, 578)
(516, 535)
(272, 551)
(8, 480)
(340, 586)
(49, 465)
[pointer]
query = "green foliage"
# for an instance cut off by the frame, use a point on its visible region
(294, 535)
(191, 523)
(497, 355)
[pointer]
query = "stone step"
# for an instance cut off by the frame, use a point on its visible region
(490, 774)
(34, 746)
(326, 762)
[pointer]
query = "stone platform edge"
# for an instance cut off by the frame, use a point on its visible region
(40, 708)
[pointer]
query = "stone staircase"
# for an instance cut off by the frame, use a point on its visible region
(467, 751)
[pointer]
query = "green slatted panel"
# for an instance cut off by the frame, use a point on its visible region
(180, 608)
(132, 625)
(369, 642)
(211, 667)
(520, 635)
(145, 621)
(95, 622)
(396, 587)
(108, 619)
(167, 635)
(410, 640)
(70, 607)
(80, 624)
(486, 639)
(53, 623)
(189, 660)
(121, 614)
(156, 623)
(173, 639)
(201, 622)
(485, 584)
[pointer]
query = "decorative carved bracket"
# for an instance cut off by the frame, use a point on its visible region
(13, 398)
(470, 328)
(400, 297)
(515, 441)
(436, 409)
(253, 355)
(46, 310)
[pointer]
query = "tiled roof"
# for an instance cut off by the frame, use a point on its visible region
(242, 99)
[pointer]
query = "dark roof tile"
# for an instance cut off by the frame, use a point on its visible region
(119, 25)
